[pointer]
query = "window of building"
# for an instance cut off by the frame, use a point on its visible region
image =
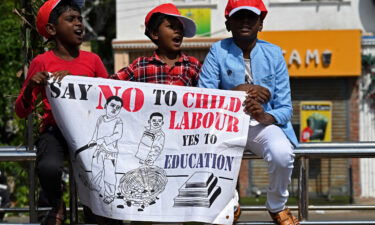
(195, 3)
(308, 1)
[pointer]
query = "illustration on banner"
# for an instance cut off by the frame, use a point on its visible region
(140, 187)
(199, 190)
(107, 133)
(152, 141)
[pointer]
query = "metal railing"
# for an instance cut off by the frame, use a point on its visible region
(303, 153)
(22, 153)
(13, 154)
(306, 151)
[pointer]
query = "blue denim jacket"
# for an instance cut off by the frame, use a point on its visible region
(224, 68)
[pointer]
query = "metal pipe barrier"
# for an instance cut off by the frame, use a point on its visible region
(22, 153)
(303, 153)
(14, 154)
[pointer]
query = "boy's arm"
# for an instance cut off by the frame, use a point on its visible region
(282, 109)
(156, 148)
(33, 85)
(126, 73)
(95, 134)
(31, 88)
(117, 133)
(209, 77)
(195, 67)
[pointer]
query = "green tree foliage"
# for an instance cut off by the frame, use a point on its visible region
(17, 47)
(12, 57)
(11, 63)
(102, 18)
(13, 45)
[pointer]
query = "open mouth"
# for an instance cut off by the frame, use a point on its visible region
(177, 40)
(78, 32)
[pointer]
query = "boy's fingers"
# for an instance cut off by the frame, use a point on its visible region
(59, 75)
(262, 98)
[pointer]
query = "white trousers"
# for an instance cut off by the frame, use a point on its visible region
(270, 143)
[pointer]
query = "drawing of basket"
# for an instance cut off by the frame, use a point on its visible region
(141, 186)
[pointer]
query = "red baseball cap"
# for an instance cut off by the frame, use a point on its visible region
(44, 13)
(255, 6)
(171, 10)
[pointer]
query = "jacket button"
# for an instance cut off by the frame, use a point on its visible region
(229, 72)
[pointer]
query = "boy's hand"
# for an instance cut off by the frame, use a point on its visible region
(40, 78)
(259, 93)
(100, 141)
(256, 111)
(59, 75)
(149, 162)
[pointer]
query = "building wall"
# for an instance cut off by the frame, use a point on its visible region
(282, 15)
(327, 176)
(366, 167)
(323, 15)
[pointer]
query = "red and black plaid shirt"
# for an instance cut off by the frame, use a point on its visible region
(185, 71)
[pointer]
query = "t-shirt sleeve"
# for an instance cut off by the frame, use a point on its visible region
(100, 70)
(209, 76)
(127, 73)
(23, 110)
(196, 68)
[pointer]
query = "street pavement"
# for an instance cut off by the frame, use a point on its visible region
(319, 215)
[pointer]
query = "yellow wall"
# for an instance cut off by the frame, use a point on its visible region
(344, 45)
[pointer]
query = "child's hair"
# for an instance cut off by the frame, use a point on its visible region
(155, 21)
(62, 7)
(156, 114)
(114, 97)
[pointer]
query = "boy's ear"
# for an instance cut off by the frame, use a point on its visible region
(50, 28)
(227, 25)
(260, 26)
(154, 35)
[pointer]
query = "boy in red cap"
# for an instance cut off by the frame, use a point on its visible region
(245, 63)
(168, 65)
(166, 28)
(59, 21)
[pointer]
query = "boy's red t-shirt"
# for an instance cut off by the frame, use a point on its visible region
(86, 64)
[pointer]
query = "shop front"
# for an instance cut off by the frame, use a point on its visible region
(324, 66)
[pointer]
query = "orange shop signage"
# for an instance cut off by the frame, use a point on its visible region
(320, 53)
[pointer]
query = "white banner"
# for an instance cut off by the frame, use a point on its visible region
(148, 152)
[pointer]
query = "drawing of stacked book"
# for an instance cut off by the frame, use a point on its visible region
(199, 190)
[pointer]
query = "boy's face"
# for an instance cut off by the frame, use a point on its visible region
(244, 25)
(69, 28)
(156, 122)
(113, 108)
(169, 35)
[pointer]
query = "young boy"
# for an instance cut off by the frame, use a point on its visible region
(166, 28)
(245, 63)
(168, 65)
(108, 131)
(60, 21)
(152, 142)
